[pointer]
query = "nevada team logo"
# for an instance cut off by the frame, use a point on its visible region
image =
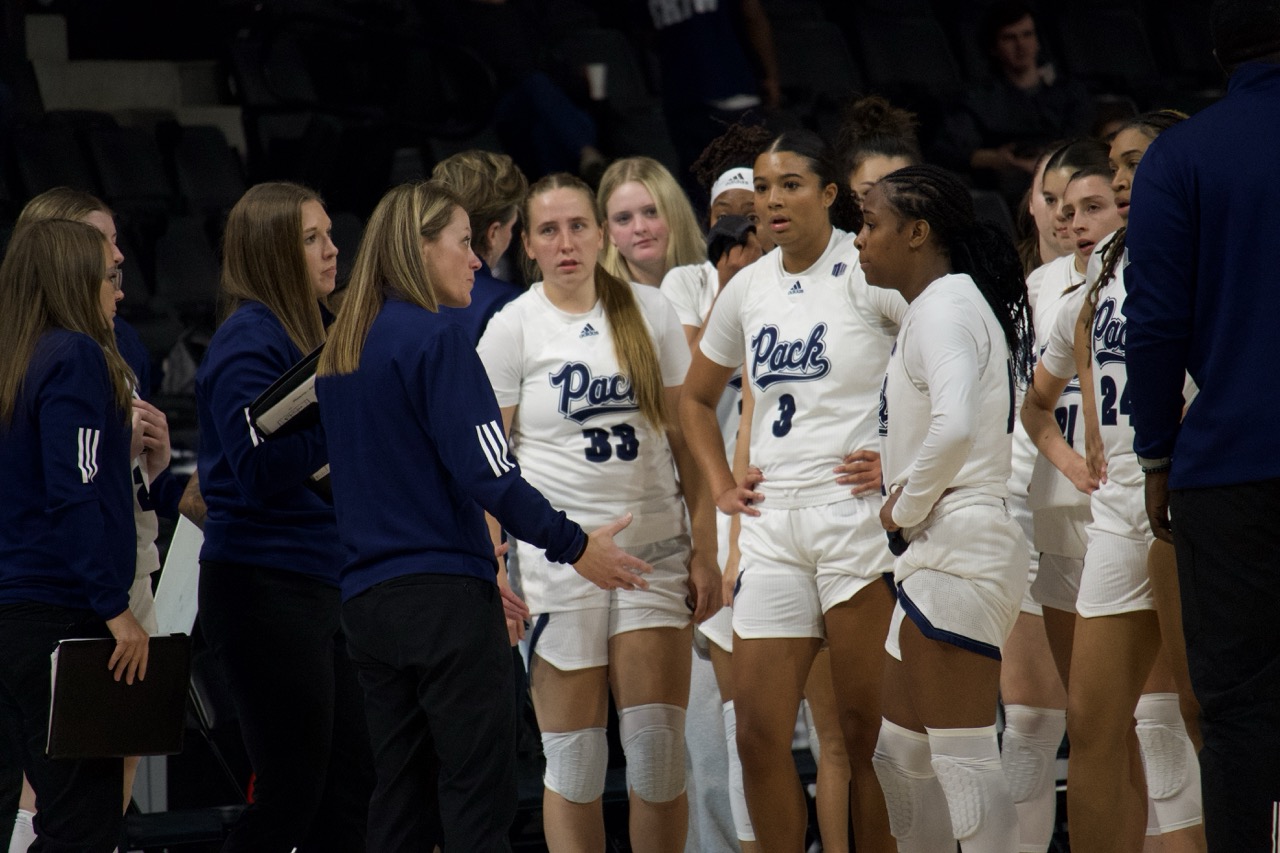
(839, 269)
(583, 396)
(1108, 334)
(777, 360)
(883, 412)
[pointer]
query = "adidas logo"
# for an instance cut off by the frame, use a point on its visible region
(795, 288)
(588, 331)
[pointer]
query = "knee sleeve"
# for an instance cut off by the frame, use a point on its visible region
(576, 763)
(915, 803)
(1029, 748)
(967, 762)
(737, 789)
(653, 742)
(1169, 760)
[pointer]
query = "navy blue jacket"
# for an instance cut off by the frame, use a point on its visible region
(418, 455)
(1204, 288)
(488, 295)
(66, 499)
(260, 509)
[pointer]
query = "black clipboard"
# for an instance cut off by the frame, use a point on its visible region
(290, 405)
(91, 715)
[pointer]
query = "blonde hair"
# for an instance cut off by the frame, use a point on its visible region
(62, 203)
(632, 343)
(685, 243)
(491, 187)
(389, 262)
(51, 278)
(263, 260)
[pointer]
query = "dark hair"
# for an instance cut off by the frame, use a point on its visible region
(738, 147)
(1245, 30)
(1155, 122)
(1091, 172)
(981, 250)
(1082, 152)
(1152, 124)
(844, 212)
(871, 127)
(999, 15)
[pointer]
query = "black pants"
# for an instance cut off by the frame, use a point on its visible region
(277, 638)
(436, 670)
(1229, 571)
(79, 800)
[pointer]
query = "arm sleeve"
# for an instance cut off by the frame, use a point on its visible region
(501, 350)
(946, 354)
(723, 340)
(1159, 305)
(166, 491)
(72, 402)
(462, 415)
(262, 468)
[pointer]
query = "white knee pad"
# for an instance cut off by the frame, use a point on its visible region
(1169, 759)
(737, 789)
(901, 762)
(653, 741)
(576, 763)
(1029, 747)
(967, 762)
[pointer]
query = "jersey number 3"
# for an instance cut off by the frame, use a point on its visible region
(600, 450)
(786, 411)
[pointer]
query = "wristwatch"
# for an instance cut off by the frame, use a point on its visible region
(1155, 466)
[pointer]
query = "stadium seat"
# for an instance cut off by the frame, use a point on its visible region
(816, 71)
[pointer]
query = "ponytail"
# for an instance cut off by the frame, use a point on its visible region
(633, 346)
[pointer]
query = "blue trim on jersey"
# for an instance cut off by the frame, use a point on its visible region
(943, 636)
(539, 625)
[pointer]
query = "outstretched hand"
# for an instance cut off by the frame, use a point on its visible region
(608, 566)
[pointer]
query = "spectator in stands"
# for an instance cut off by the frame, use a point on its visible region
(1002, 126)
(538, 121)
(876, 138)
(650, 224)
(492, 189)
(716, 61)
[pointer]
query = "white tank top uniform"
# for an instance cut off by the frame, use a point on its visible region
(947, 422)
(583, 443)
(813, 345)
(691, 290)
(1060, 511)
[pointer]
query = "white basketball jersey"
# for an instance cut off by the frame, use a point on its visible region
(1110, 373)
(813, 345)
(578, 434)
(949, 377)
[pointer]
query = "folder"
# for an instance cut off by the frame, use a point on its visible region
(91, 715)
(290, 405)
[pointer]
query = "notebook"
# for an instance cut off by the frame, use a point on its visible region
(290, 405)
(91, 715)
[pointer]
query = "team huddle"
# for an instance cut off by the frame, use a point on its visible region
(845, 441)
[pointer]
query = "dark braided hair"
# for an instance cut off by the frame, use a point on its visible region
(738, 147)
(979, 249)
(845, 212)
(1151, 124)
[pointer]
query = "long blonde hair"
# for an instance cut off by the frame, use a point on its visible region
(685, 243)
(632, 343)
(263, 260)
(388, 263)
(51, 278)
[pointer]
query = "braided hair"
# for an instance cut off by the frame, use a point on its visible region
(979, 249)
(1150, 124)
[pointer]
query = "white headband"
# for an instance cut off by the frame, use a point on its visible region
(735, 179)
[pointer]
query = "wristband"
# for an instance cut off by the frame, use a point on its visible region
(1155, 466)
